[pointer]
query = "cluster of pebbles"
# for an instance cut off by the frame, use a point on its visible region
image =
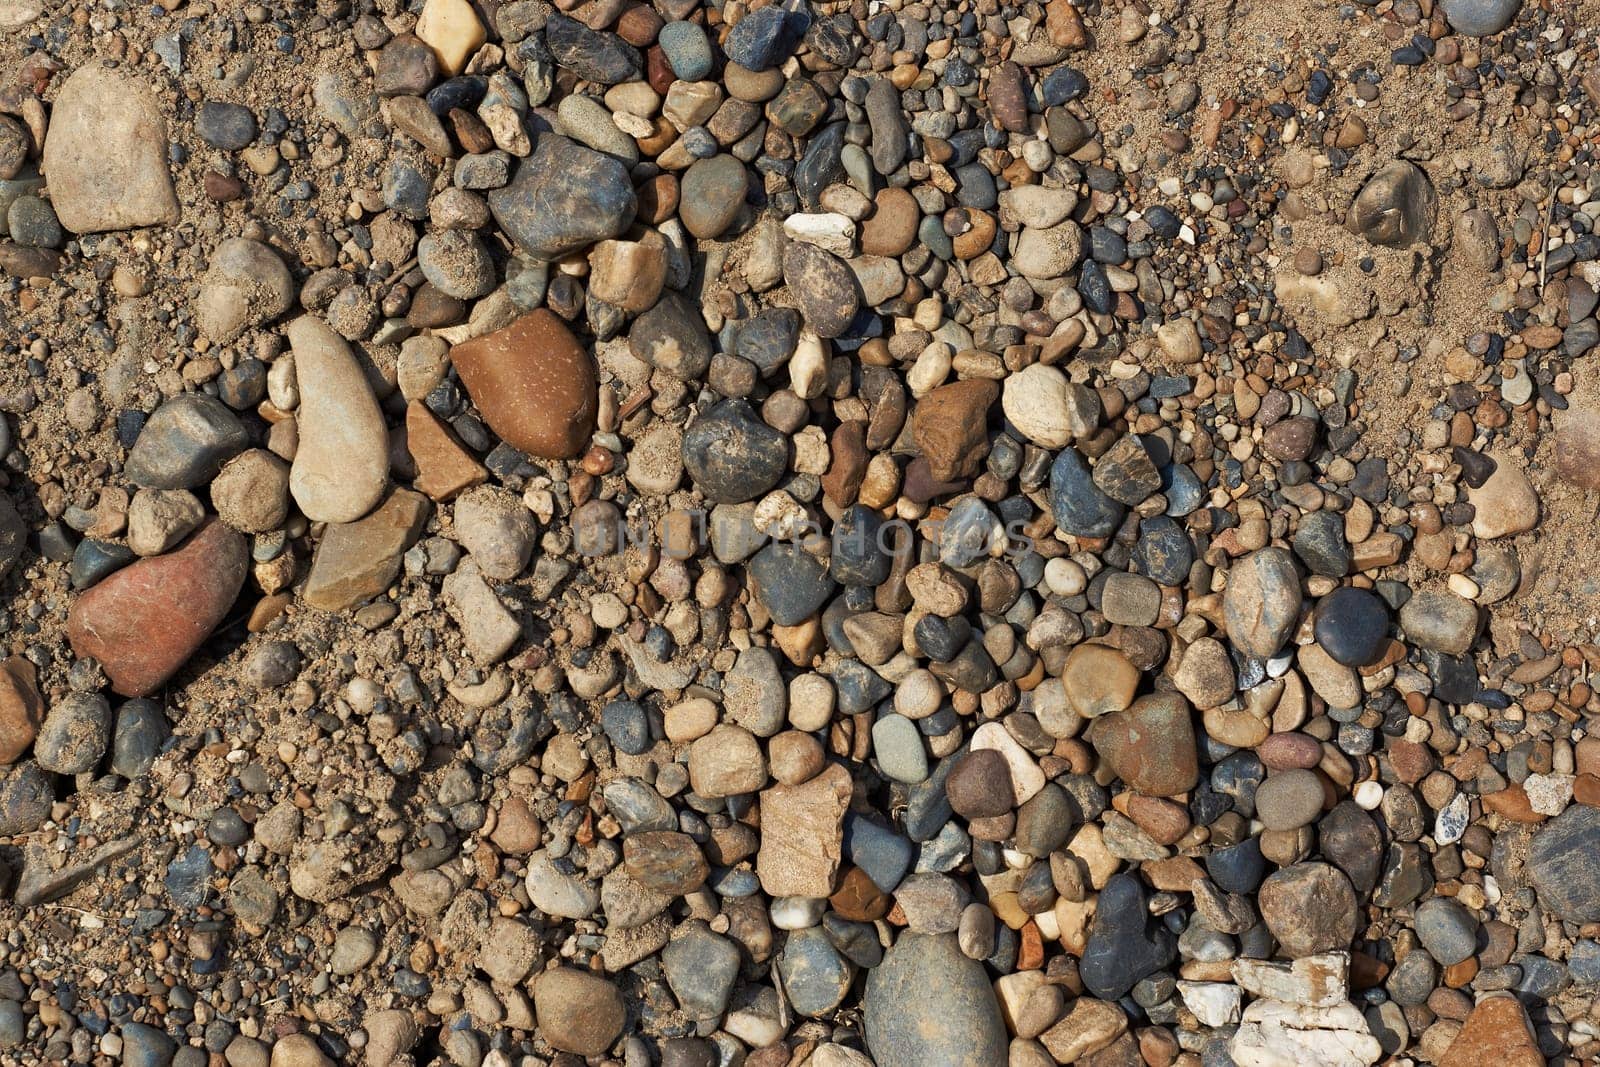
(805, 535)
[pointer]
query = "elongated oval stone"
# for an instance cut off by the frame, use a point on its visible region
(146, 620)
(342, 465)
(534, 384)
(927, 1003)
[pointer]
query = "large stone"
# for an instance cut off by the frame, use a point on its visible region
(1564, 864)
(359, 560)
(824, 287)
(1498, 1033)
(1275, 1034)
(534, 383)
(927, 1003)
(21, 708)
(145, 621)
(564, 198)
(1506, 504)
(1310, 908)
(1125, 944)
(1396, 207)
(1150, 745)
(341, 467)
(1319, 981)
(802, 835)
(732, 455)
(578, 1012)
(184, 443)
(1262, 602)
(1480, 18)
(949, 427)
(106, 153)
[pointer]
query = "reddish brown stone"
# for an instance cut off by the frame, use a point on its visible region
(444, 466)
(21, 709)
(1496, 1034)
(949, 427)
(146, 620)
(1511, 803)
(848, 466)
(534, 383)
(858, 898)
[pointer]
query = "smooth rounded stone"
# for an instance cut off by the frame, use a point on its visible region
(1352, 626)
(145, 621)
(1564, 864)
(1447, 930)
(769, 338)
(732, 456)
(1130, 600)
(701, 967)
(33, 223)
(184, 443)
(979, 786)
(891, 229)
(26, 797)
(1049, 252)
(815, 977)
(1237, 868)
(1289, 800)
(1480, 18)
(1205, 674)
(1396, 207)
(1079, 505)
(672, 337)
(824, 287)
(1262, 601)
(21, 707)
(1440, 620)
(586, 120)
(1349, 838)
(1124, 944)
(457, 263)
(1164, 553)
(711, 195)
(353, 948)
(764, 38)
(897, 746)
(145, 1046)
(1310, 908)
(790, 583)
(106, 153)
(1506, 504)
(160, 518)
(341, 467)
(726, 762)
(1150, 745)
(1413, 978)
(229, 127)
(1047, 408)
(534, 383)
(556, 892)
(75, 734)
(927, 1003)
(687, 50)
(1098, 679)
(578, 1012)
(564, 198)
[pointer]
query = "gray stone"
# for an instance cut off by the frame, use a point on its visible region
(927, 1003)
(563, 198)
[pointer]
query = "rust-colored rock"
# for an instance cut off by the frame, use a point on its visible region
(145, 621)
(534, 384)
(949, 427)
(444, 466)
(21, 709)
(1496, 1034)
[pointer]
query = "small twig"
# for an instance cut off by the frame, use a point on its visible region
(1544, 245)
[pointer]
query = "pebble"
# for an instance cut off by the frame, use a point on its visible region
(1310, 908)
(340, 469)
(563, 198)
(245, 286)
(184, 443)
(1480, 18)
(1150, 745)
(1262, 601)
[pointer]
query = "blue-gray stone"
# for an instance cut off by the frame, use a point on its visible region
(593, 55)
(732, 456)
(564, 197)
(815, 977)
(884, 855)
(1124, 944)
(687, 50)
(145, 1046)
(1079, 506)
(184, 443)
(188, 877)
(927, 1004)
(765, 37)
(1564, 864)
(790, 583)
(136, 742)
(701, 967)
(1479, 18)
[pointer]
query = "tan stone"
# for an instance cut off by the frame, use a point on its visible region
(359, 560)
(802, 835)
(444, 466)
(451, 28)
(1496, 1034)
(21, 708)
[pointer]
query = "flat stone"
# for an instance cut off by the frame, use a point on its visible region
(488, 629)
(341, 467)
(928, 1003)
(1317, 981)
(444, 465)
(1275, 1034)
(357, 561)
(1506, 504)
(1086, 1027)
(1564, 864)
(534, 384)
(802, 835)
(1396, 207)
(1079, 506)
(711, 195)
(106, 153)
(949, 427)
(145, 621)
(824, 287)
